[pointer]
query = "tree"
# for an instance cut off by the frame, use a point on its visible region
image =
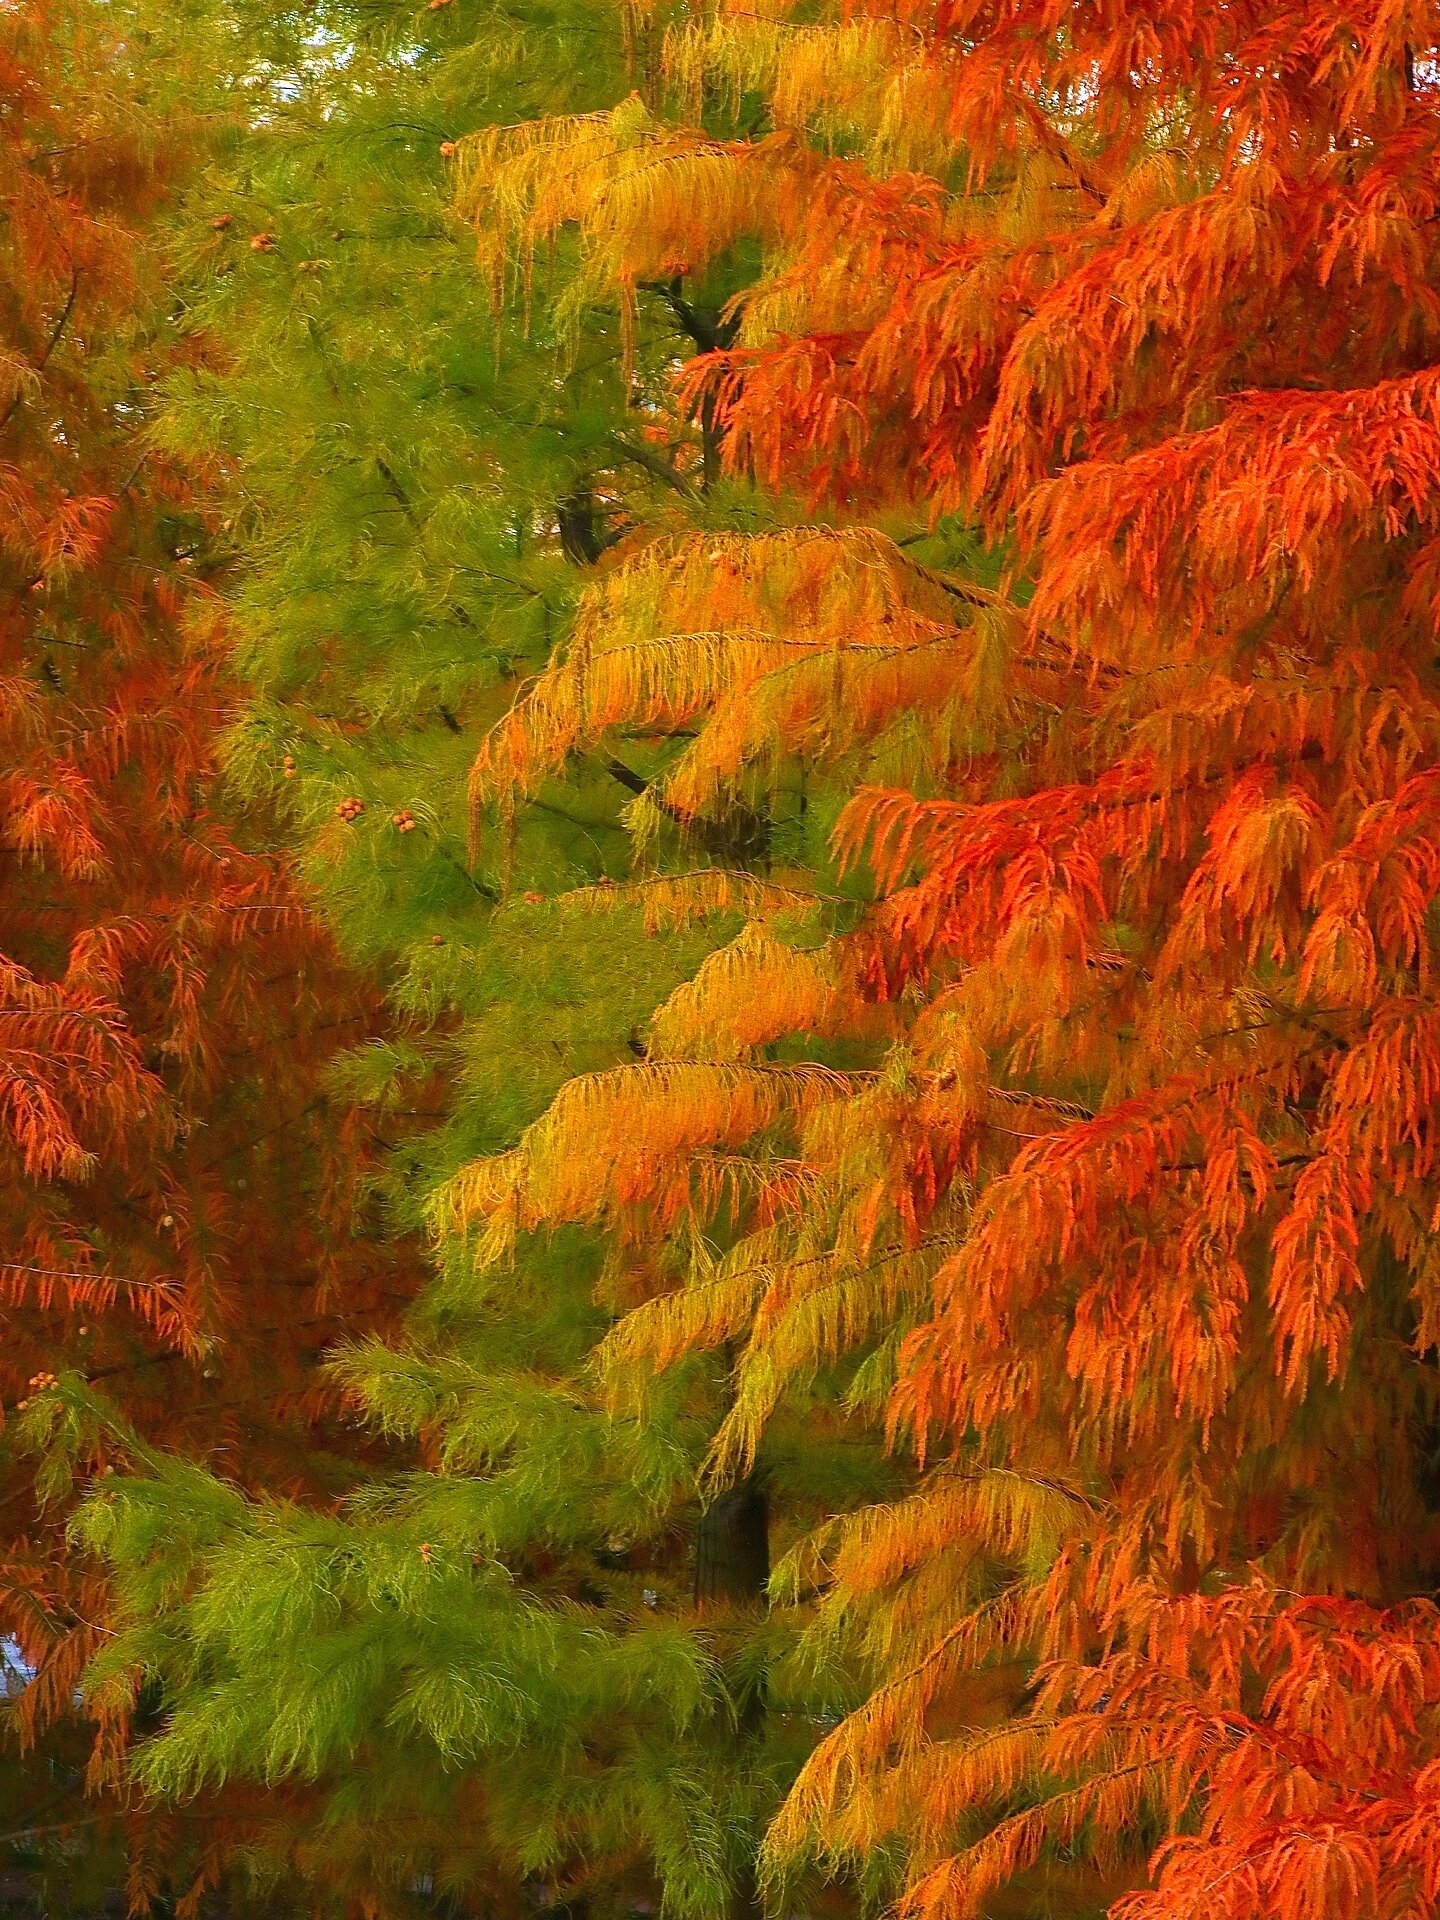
(176, 1223)
(1149, 1167)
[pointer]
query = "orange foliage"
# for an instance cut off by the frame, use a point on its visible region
(1149, 1178)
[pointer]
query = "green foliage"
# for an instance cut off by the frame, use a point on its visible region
(493, 1665)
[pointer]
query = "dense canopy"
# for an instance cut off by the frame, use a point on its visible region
(821, 784)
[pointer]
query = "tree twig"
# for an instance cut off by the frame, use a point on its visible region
(50, 345)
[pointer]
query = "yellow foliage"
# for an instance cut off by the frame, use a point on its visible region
(647, 201)
(677, 899)
(635, 1135)
(754, 991)
(809, 638)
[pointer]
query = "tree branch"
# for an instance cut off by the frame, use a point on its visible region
(627, 776)
(50, 345)
(654, 464)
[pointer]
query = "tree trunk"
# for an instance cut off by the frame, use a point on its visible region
(732, 1547)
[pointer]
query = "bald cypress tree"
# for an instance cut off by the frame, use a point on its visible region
(175, 1175)
(539, 1666)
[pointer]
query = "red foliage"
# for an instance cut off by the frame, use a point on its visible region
(172, 1206)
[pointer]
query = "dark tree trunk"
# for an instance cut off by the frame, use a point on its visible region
(738, 834)
(732, 1569)
(584, 535)
(732, 1547)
